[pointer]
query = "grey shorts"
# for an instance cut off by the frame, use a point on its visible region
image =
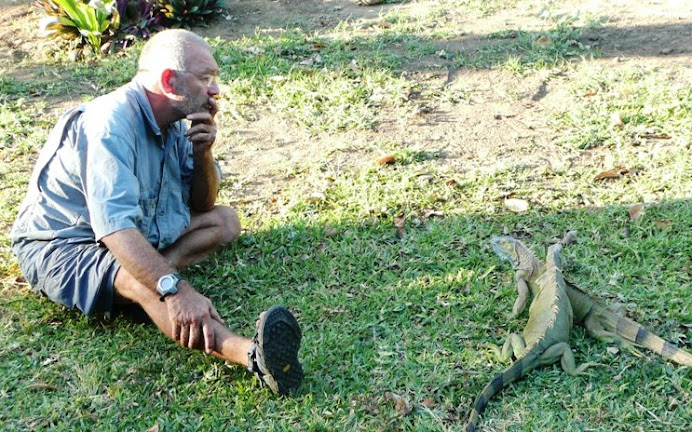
(77, 275)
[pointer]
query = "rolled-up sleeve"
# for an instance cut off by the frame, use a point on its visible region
(110, 184)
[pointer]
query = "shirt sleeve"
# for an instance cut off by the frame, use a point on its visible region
(111, 186)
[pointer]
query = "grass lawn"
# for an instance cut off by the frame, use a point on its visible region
(387, 266)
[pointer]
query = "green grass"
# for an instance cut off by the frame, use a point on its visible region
(626, 107)
(409, 311)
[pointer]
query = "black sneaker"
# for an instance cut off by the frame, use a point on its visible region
(274, 353)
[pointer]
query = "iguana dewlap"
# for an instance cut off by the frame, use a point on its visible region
(599, 320)
(545, 338)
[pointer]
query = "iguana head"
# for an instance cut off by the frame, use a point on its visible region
(516, 253)
(506, 248)
(512, 250)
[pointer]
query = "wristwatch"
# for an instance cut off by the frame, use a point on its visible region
(168, 285)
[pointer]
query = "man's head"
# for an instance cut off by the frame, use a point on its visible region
(179, 64)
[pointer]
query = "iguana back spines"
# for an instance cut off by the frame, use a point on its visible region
(545, 337)
(599, 320)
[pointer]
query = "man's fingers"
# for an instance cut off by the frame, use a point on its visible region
(200, 118)
(215, 314)
(176, 332)
(203, 138)
(184, 335)
(194, 336)
(199, 126)
(209, 338)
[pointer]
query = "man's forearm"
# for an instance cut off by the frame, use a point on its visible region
(205, 181)
(137, 256)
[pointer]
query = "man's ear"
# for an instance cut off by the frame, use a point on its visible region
(168, 77)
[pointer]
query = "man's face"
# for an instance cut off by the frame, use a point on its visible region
(197, 84)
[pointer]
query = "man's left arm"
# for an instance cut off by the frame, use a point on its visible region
(205, 176)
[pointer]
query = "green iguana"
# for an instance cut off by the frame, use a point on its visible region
(599, 320)
(545, 337)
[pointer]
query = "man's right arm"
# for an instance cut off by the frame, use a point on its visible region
(188, 311)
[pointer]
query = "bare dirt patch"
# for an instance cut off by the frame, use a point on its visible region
(505, 121)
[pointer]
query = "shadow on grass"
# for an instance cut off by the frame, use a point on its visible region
(380, 313)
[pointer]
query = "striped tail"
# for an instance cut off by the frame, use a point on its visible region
(513, 373)
(634, 332)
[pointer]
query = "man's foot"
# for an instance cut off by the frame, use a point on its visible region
(274, 353)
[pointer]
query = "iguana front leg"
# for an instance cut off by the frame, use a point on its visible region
(523, 290)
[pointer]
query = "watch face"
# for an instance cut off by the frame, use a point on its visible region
(167, 283)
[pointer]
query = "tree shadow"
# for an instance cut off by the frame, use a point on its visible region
(379, 311)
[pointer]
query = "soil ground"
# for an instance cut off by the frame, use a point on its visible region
(505, 121)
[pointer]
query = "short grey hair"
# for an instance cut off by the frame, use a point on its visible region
(168, 49)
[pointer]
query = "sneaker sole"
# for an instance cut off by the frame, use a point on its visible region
(279, 339)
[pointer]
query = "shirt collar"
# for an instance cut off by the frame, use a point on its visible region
(141, 98)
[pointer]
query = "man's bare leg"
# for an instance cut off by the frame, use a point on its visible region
(207, 233)
(229, 346)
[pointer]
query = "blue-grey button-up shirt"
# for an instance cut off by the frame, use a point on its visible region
(106, 167)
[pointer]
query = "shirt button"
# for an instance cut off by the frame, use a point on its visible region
(161, 213)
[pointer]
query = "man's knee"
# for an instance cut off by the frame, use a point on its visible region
(229, 224)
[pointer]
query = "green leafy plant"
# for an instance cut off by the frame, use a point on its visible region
(140, 19)
(76, 20)
(188, 13)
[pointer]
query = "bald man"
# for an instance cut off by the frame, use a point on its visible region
(123, 196)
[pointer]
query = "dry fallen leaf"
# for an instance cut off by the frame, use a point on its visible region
(614, 173)
(428, 402)
(432, 213)
(154, 428)
(613, 350)
(317, 196)
(402, 405)
(517, 205)
(673, 404)
(387, 159)
(636, 211)
(400, 225)
(543, 40)
(384, 25)
(40, 385)
(49, 360)
(616, 120)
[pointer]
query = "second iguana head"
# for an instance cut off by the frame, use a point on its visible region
(514, 251)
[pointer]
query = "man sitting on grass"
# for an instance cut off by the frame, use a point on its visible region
(123, 196)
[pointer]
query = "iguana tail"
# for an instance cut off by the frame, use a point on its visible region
(513, 373)
(634, 332)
